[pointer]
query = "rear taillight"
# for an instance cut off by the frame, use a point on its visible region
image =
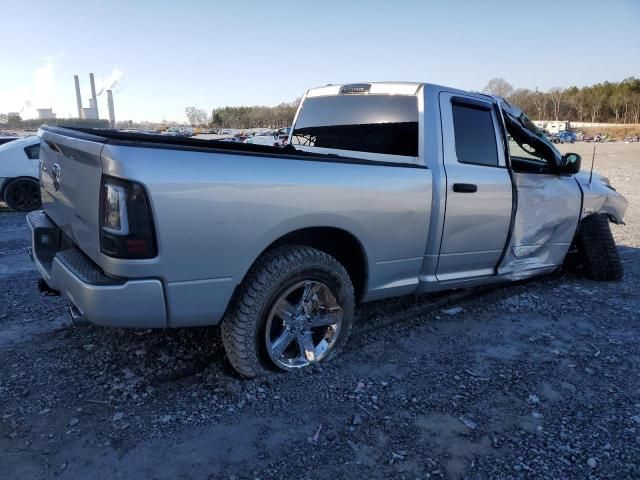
(114, 209)
(126, 223)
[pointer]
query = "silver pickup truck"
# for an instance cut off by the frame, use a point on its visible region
(385, 189)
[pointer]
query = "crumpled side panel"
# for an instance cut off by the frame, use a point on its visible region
(599, 198)
(545, 223)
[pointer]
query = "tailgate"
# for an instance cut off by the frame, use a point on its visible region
(70, 182)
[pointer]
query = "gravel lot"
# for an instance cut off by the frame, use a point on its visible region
(535, 380)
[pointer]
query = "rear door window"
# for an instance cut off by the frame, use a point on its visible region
(33, 151)
(475, 135)
(385, 124)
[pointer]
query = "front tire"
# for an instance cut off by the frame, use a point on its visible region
(23, 195)
(597, 249)
(294, 309)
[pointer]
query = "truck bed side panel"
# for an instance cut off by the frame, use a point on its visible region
(215, 213)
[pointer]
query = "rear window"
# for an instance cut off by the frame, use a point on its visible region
(385, 124)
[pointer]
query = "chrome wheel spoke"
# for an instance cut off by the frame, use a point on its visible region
(285, 310)
(308, 349)
(326, 317)
(282, 342)
(310, 289)
(303, 325)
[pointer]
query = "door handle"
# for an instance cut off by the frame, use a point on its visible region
(465, 187)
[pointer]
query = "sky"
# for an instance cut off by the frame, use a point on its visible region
(162, 56)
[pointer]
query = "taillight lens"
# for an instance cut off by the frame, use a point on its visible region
(114, 209)
(126, 227)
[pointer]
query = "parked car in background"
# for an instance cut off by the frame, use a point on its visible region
(19, 165)
(279, 138)
(6, 139)
(263, 138)
(563, 137)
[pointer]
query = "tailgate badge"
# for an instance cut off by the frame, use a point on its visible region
(56, 176)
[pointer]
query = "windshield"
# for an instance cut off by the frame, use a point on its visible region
(525, 139)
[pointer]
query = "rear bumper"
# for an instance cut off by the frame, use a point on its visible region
(97, 298)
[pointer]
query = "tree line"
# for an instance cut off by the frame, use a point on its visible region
(16, 122)
(607, 102)
(244, 117)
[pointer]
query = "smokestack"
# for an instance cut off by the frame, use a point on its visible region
(112, 115)
(78, 98)
(93, 93)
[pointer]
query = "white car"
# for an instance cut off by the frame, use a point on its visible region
(273, 139)
(19, 165)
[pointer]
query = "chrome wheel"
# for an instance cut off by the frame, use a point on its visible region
(303, 325)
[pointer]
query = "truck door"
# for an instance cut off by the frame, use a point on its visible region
(478, 189)
(549, 207)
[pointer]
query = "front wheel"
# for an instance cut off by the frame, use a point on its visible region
(597, 249)
(294, 309)
(23, 194)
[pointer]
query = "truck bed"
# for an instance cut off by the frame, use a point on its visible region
(216, 206)
(145, 140)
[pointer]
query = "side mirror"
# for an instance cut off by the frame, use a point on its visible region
(570, 163)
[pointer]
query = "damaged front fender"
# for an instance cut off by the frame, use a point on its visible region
(600, 197)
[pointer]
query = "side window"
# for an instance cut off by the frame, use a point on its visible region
(33, 152)
(386, 124)
(474, 134)
(523, 151)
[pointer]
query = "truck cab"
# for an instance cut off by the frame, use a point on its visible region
(501, 203)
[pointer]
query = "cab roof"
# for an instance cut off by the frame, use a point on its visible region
(389, 88)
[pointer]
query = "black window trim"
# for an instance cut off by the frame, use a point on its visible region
(471, 103)
(477, 105)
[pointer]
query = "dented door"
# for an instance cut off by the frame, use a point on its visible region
(544, 226)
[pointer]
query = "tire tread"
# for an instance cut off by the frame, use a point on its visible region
(598, 250)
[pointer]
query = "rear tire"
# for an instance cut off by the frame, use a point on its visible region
(247, 325)
(597, 249)
(23, 195)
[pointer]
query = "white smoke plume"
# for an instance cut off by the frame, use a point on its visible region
(110, 81)
(39, 93)
(44, 83)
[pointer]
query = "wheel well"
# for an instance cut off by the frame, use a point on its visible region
(338, 243)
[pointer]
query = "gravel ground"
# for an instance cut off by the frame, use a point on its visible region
(534, 380)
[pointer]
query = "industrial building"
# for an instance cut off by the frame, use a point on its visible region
(91, 112)
(45, 113)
